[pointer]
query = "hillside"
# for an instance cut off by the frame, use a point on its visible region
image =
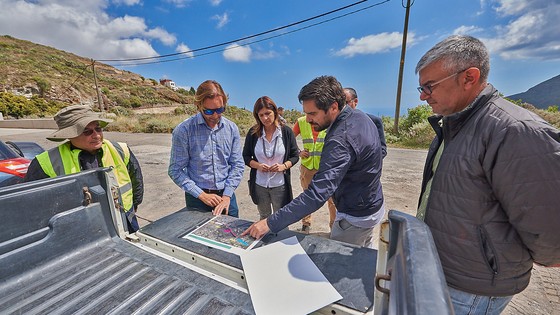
(54, 75)
(542, 95)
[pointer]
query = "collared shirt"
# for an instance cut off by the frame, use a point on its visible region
(269, 153)
(205, 158)
(350, 171)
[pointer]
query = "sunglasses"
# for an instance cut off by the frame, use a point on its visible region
(89, 132)
(212, 111)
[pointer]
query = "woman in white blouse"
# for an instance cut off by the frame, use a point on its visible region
(270, 151)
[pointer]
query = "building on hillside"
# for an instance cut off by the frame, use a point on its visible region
(170, 84)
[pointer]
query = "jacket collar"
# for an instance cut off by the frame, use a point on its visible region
(344, 113)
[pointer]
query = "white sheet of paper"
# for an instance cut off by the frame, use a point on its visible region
(282, 279)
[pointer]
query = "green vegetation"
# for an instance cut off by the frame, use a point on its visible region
(414, 129)
(19, 106)
(43, 85)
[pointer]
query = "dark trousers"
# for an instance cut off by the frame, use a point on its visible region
(131, 221)
(196, 204)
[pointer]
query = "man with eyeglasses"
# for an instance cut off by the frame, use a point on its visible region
(490, 187)
(87, 149)
(206, 160)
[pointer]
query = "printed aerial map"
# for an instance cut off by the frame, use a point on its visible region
(223, 232)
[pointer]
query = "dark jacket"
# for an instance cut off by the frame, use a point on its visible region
(494, 206)
(291, 148)
(350, 172)
(89, 161)
(379, 124)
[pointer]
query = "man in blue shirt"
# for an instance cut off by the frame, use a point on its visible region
(350, 168)
(206, 160)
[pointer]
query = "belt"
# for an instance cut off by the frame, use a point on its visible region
(213, 191)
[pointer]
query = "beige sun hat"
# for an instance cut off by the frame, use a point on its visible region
(72, 121)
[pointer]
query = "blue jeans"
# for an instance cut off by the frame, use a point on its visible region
(196, 204)
(471, 304)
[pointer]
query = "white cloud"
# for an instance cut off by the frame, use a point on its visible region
(182, 48)
(126, 2)
(237, 53)
(509, 7)
(532, 32)
(215, 3)
(222, 20)
(179, 3)
(81, 27)
(373, 44)
(467, 30)
(264, 55)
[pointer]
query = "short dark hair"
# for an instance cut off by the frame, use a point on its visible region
(324, 90)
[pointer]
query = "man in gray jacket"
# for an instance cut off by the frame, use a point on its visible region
(490, 188)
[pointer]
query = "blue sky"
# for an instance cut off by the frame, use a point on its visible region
(361, 49)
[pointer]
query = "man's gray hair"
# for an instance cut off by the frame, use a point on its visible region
(458, 52)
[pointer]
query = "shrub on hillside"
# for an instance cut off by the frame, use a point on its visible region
(43, 85)
(121, 111)
(188, 110)
(414, 116)
(420, 135)
(19, 106)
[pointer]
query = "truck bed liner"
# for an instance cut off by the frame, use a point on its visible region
(65, 258)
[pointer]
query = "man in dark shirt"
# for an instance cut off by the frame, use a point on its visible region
(352, 101)
(350, 168)
(86, 149)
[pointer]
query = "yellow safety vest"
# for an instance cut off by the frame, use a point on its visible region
(62, 160)
(314, 147)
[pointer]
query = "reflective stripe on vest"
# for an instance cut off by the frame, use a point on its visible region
(314, 147)
(62, 160)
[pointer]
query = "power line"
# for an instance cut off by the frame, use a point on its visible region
(65, 91)
(246, 37)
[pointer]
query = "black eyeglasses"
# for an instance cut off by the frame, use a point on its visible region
(428, 88)
(212, 111)
(89, 132)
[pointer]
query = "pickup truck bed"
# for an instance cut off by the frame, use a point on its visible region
(61, 255)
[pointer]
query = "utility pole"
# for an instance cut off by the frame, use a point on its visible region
(99, 99)
(401, 69)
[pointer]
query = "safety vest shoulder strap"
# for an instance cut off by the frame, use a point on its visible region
(59, 161)
(122, 149)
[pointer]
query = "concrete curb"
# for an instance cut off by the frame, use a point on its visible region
(47, 123)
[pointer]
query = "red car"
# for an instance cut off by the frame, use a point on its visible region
(14, 160)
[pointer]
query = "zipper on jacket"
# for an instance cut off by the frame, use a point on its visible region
(488, 253)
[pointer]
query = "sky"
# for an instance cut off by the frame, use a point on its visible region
(359, 45)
